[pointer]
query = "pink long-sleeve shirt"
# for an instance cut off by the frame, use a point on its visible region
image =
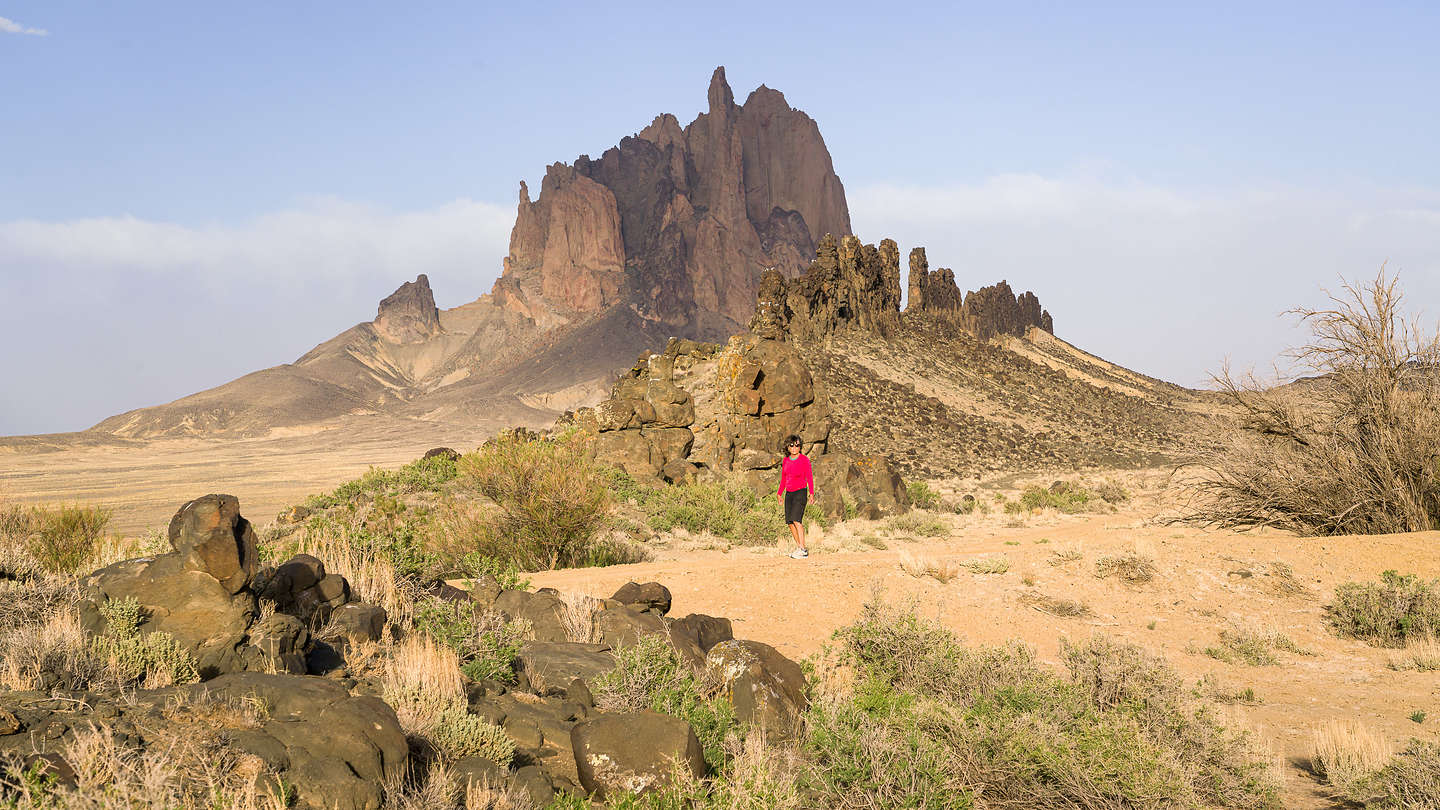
(795, 474)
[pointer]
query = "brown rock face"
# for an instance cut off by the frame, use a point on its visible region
(679, 223)
(985, 313)
(409, 314)
(566, 254)
(848, 285)
(741, 402)
(996, 310)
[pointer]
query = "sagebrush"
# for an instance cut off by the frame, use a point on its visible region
(1351, 450)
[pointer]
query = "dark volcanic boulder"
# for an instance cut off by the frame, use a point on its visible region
(340, 750)
(210, 536)
(544, 611)
(766, 688)
(633, 752)
(198, 593)
(302, 588)
(549, 667)
(649, 596)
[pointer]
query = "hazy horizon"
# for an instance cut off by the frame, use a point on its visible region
(198, 193)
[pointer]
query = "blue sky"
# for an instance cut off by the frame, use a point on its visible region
(1181, 174)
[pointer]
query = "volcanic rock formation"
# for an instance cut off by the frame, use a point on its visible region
(678, 222)
(985, 313)
(665, 234)
(409, 314)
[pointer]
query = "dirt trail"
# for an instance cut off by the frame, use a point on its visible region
(1205, 582)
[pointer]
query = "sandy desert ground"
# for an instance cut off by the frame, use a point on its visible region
(1205, 581)
(143, 483)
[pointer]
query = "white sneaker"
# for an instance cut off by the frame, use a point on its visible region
(799, 554)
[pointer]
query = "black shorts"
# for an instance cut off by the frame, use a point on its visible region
(795, 505)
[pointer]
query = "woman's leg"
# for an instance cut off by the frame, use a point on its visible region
(800, 533)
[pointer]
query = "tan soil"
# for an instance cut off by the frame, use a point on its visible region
(1200, 588)
(143, 483)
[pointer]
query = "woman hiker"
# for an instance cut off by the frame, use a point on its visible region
(797, 481)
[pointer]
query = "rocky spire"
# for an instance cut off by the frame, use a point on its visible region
(409, 315)
(678, 224)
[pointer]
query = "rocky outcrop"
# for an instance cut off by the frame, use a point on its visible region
(566, 254)
(204, 595)
(634, 753)
(409, 314)
(996, 310)
(697, 411)
(849, 285)
(984, 313)
(678, 222)
(855, 286)
(766, 689)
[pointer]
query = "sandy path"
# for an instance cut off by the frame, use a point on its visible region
(1202, 586)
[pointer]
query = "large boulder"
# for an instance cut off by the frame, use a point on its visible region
(647, 596)
(340, 750)
(870, 486)
(210, 535)
(621, 626)
(765, 688)
(544, 611)
(633, 752)
(198, 593)
(549, 667)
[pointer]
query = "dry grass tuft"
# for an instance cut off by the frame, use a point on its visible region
(1059, 558)
(1055, 606)
(1421, 653)
(987, 565)
(1281, 581)
(919, 566)
(1130, 567)
(1347, 756)
(198, 771)
(1253, 646)
(57, 647)
(578, 615)
(422, 681)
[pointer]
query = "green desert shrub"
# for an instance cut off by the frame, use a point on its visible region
(1388, 613)
(1252, 646)
(1410, 780)
(922, 495)
(730, 508)
(485, 643)
(459, 734)
(60, 539)
(918, 524)
(420, 475)
(651, 675)
(932, 723)
(553, 502)
(1068, 499)
(154, 658)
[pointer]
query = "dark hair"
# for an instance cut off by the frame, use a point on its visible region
(789, 440)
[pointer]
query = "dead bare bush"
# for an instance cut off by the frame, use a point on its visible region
(1355, 449)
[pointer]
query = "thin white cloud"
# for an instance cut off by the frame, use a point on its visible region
(1171, 282)
(105, 314)
(326, 239)
(11, 27)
